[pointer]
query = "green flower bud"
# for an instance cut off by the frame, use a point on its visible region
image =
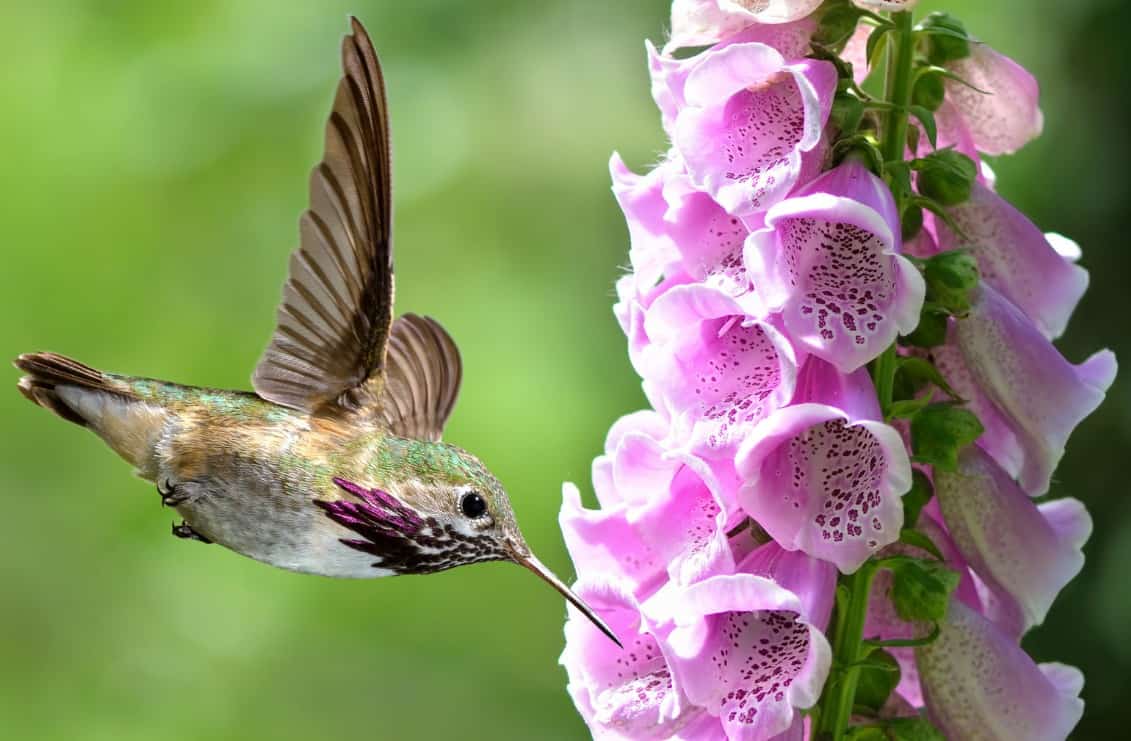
(929, 91)
(951, 276)
(946, 176)
(947, 39)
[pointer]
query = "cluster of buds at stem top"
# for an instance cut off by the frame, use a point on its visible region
(825, 525)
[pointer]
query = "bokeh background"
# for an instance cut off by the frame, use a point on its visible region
(154, 164)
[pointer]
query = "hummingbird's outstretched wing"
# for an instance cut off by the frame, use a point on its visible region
(335, 346)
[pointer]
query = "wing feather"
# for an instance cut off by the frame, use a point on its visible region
(334, 319)
(336, 348)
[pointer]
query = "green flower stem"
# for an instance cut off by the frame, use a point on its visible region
(900, 78)
(848, 652)
(849, 647)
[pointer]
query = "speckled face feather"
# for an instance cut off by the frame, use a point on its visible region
(404, 541)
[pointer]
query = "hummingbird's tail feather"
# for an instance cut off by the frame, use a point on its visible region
(46, 371)
(90, 398)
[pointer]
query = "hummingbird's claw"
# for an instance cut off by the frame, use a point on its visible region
(170, 496)
(184, 530)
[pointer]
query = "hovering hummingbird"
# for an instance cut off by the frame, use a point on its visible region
(334, 465)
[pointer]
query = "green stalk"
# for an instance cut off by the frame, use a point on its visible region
(849, 650)
(900, 77)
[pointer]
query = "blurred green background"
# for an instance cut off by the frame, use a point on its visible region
(155, 160)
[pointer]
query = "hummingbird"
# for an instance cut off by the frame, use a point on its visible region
(335, 464)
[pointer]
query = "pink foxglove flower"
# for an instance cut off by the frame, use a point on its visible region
(1003, 113)
(669, 74)
(623, 693)
(641, 197)
(744, 648)
(703, 22)
(1023, 551)
(677, 230)
(1040, 396)
(823, 475)
(750, 120)
(718, 371)
(663, 514)
(828, 260)
(1016, 258)
(978, 683)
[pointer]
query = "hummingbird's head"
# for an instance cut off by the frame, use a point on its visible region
(452, 511)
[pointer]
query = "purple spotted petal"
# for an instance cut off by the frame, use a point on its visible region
(625, 693)
(1019, 550)
(703, 22)
(812, 580)
(1040, 395)
(827, 260)
(978, 683)
(819, 481)
(749, 121)
(1009, 116)
(719, 372)
(742, 650)
(1016, 258)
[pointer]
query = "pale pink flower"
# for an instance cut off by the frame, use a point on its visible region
(716, 370)
(1038, 396)
(828, 260)
(978, 683)
(750, 120)
(1003, 113)
(824, 475)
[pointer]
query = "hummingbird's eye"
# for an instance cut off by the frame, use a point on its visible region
(472, 505)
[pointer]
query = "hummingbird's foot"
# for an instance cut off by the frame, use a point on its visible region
(184, 530)
(173, 495)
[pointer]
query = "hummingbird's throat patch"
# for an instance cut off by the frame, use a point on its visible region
(404, 541)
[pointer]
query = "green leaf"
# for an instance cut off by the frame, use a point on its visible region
(951, 276)
(937, 209)
(911, 220)
(913, 729)
(913, 502)
(866, 733)
(947, 39)
(940, 431)
(927, 119)
(916, 539)
(908, 408)
(944, 72)
(876, 680)
(898, 176)
(837, 25)
(876, 41)
(859, 144)
(945, 176)
(847, 112)
(929, 90)
(931, 331)
(918, 372)
(920, 588)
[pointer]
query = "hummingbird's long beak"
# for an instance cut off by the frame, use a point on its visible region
(531, 562)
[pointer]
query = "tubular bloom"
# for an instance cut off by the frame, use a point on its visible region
(836, 478)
